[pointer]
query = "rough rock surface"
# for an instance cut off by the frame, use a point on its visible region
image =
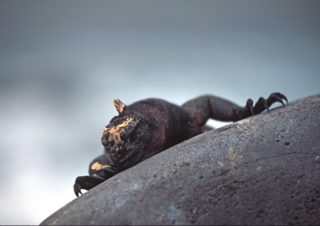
(261, 170)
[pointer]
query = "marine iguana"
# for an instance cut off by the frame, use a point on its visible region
(150, 126)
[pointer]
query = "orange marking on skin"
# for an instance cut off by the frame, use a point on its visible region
(98, 166)
(125, 123)
(115, 131)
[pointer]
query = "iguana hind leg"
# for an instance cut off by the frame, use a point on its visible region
(205, 107)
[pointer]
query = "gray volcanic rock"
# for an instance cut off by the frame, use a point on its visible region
(261, 170)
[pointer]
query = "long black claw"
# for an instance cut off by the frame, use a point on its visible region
(77, 189)
(281, 96)
(277, 97)
(281, 101)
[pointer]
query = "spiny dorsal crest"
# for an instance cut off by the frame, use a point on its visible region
(120, 106)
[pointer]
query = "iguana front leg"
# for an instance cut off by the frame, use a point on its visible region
(206, 107)
(86, 182)
(100, 169)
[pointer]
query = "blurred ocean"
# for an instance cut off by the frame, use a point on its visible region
(63, 62)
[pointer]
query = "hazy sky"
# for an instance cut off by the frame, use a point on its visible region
(62, 63)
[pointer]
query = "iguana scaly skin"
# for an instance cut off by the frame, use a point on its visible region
(150, 126)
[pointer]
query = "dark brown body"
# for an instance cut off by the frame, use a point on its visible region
(170, 124)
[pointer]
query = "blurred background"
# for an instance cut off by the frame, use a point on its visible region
(63, 62)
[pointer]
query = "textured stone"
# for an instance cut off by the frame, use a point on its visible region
(261, 170)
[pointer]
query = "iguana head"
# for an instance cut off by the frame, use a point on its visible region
(126, 137)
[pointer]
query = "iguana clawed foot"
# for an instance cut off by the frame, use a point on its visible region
(264, 104)
(86, 182)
